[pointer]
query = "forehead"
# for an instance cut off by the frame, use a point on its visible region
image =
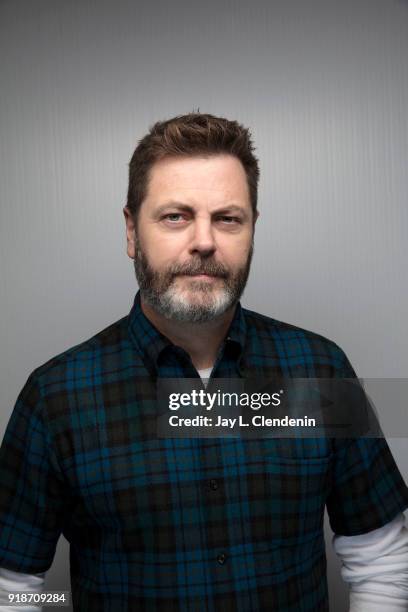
(214, 177)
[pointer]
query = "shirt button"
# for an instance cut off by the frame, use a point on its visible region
(222, 558)
(213, 484)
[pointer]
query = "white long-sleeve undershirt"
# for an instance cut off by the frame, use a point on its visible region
(17, 581)
(375, 565)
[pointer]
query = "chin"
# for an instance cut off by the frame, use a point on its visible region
(198, 294)
(218, 299)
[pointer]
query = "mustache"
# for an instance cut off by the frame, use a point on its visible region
(211, 268)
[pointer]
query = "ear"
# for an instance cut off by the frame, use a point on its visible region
(130, 233)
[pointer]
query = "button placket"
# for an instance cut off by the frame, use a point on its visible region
(213, 484)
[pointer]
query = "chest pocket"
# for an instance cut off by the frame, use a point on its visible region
(287, 489)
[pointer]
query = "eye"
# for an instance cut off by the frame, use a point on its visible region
(171, 217)
(229, 220)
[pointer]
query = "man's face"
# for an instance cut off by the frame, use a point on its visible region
(193, 242)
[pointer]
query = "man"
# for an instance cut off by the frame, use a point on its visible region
(193, 524)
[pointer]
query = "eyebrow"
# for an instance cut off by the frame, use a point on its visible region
(190, 209)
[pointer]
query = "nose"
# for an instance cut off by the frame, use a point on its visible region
(203, 239)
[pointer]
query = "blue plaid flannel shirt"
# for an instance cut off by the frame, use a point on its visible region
(200, 525)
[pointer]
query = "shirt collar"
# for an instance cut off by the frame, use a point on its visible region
(151, 342)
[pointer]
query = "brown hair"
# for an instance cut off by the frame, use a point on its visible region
(193, 134)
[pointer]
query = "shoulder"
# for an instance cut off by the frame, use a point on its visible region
(292, 343)
(68, 388)
(275, 328)
(81, 362)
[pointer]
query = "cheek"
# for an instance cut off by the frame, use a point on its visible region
(236, 253)
(161, 250)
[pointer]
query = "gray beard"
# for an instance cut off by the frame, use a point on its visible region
(158, 289)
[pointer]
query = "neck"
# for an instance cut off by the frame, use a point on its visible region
(200, 340)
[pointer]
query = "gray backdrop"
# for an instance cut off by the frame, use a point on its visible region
(323, 85)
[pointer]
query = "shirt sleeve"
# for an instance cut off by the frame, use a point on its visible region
(375, 565)
(33, 492)
(17, 581)
(367, 489)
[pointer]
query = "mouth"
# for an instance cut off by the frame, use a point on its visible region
(200, 276)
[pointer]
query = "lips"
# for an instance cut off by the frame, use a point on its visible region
(200, 274)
